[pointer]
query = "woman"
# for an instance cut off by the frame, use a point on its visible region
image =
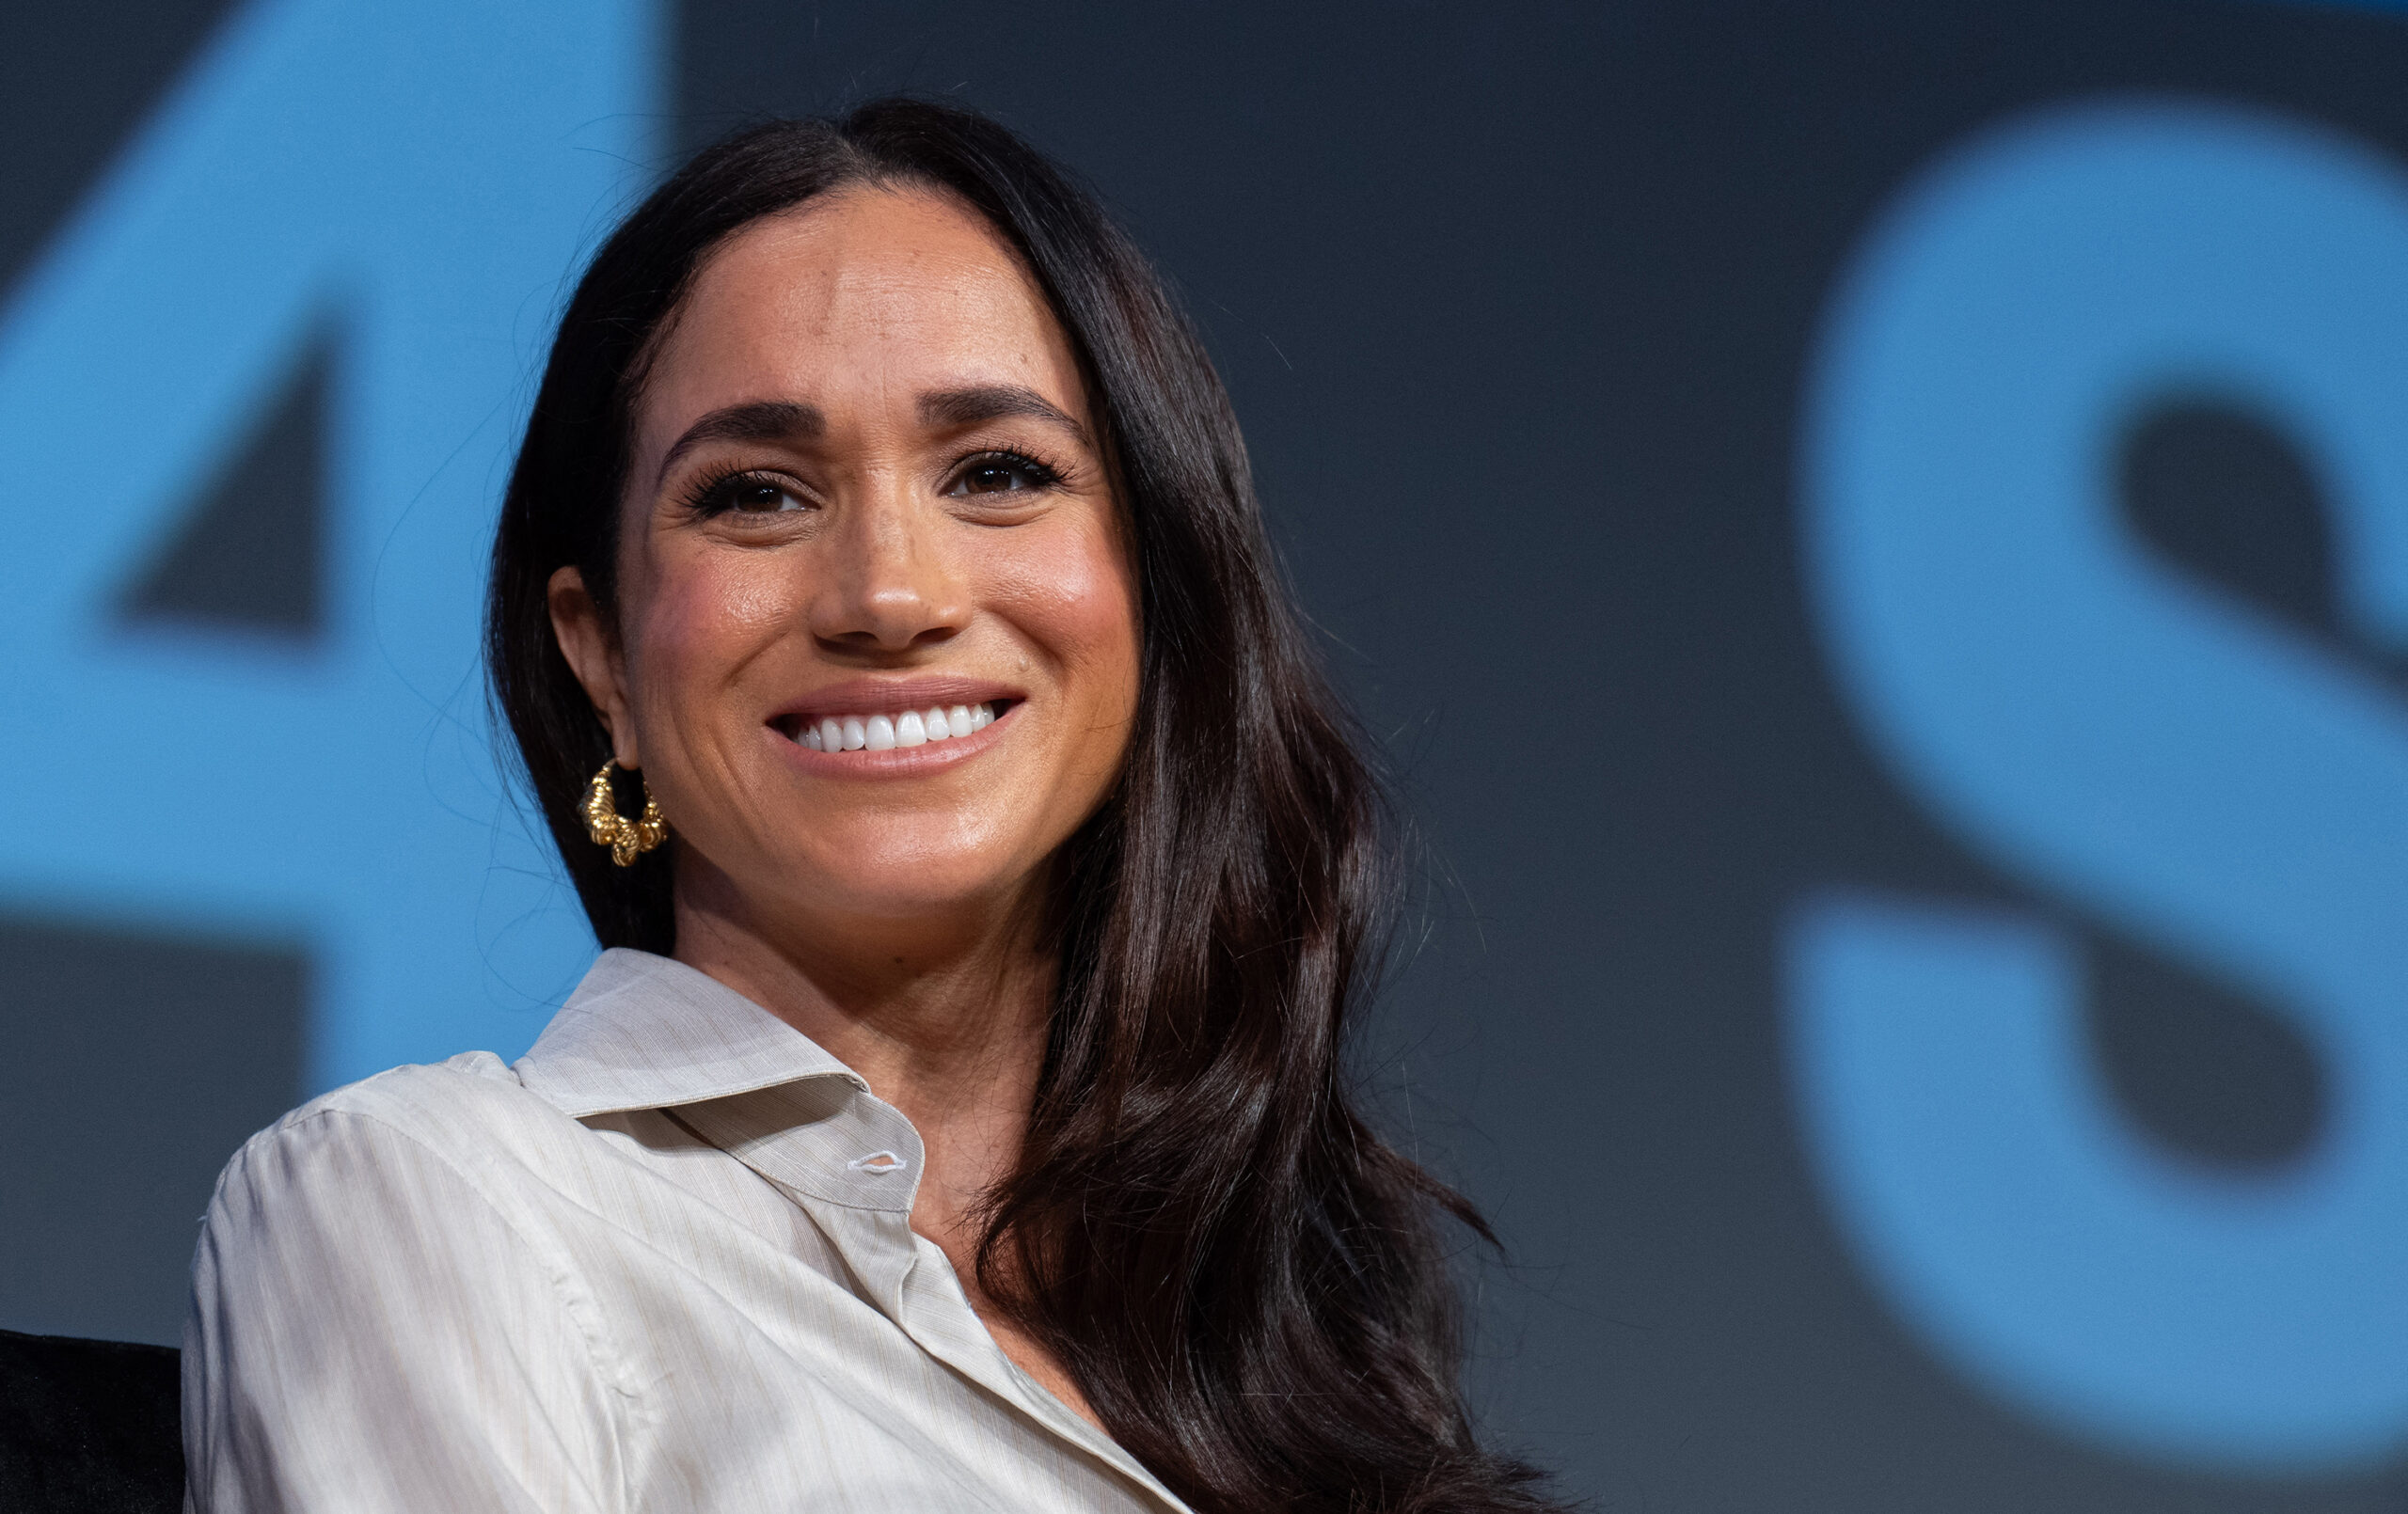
(956, 1119)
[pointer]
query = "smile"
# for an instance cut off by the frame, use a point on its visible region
(887, 730)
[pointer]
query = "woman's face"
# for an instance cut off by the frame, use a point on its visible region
(876, 644)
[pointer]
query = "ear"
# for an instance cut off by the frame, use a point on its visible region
(593, 652)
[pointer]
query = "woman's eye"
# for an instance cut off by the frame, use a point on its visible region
(998, 474)
(755, 496)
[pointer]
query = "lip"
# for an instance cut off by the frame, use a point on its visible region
(879, 695)
(889, 696)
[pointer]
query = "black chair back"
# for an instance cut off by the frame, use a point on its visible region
(89, 1426)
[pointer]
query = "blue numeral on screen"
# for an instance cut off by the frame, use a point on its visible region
(416, 179)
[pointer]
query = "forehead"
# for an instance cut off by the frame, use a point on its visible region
(861, 297)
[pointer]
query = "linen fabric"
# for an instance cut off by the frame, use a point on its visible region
(663, 1262)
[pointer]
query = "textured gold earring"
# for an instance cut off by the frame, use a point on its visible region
(627, 839)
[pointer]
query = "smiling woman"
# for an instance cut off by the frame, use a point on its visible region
(957, 1119)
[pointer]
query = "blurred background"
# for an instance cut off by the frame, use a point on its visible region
(1874, 536)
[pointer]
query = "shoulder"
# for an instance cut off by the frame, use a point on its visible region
(432, 1101)
(465, 1124)
(419, 1191)
(385, 1260)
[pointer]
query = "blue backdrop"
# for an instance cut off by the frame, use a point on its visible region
(2020, 708)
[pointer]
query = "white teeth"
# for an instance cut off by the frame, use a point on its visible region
(882, 732)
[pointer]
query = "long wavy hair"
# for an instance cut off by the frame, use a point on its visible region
(1245, 1281)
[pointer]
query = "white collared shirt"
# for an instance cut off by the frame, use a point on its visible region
(664, 1262)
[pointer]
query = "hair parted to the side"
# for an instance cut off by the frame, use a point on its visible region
(1247, 1284)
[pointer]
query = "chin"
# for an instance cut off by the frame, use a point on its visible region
(890, 882)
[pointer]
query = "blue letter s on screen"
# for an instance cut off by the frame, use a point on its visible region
(2125, 740)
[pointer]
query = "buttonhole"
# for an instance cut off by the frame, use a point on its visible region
(876, 1162)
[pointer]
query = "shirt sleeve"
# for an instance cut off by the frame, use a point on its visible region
(369, 1334)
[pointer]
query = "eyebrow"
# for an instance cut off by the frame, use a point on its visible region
(785, 421)
(995, 402)
(762, 420)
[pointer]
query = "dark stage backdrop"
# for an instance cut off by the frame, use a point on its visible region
(1870, 535)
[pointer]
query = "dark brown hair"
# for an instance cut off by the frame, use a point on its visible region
(1247, 1284)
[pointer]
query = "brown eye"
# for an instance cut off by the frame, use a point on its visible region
(1003, 473)
(760, 496)
(752, 495)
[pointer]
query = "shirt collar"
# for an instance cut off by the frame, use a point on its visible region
(644, 1032)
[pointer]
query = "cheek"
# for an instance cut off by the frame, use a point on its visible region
(702, 617)
(1076, 597)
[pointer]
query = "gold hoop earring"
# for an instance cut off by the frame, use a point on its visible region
(627, 839)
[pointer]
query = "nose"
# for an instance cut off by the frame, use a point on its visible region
(888, 584)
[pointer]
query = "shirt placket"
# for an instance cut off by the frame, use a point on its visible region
(864, 1208)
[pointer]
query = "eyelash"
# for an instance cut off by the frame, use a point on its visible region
(715, 493)
(1041, 474)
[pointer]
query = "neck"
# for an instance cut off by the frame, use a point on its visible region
(944, 1016)
(951, 1006)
